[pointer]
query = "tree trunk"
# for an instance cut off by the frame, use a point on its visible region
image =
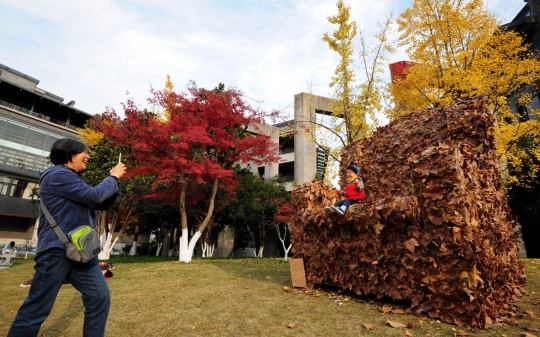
(105, 239)
(286, 249)
(166, 243)
(186, 250)
(133, 250)
(208, 249)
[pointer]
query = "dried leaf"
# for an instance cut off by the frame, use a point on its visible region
(531, 328)
(460, 333)
(291, 325)
(370, 326)
(411, 244)
(529, 313)
(407, 333)
(395, 324)
(386, 309)
(526, 334)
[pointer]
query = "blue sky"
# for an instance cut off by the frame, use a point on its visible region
(96, 51)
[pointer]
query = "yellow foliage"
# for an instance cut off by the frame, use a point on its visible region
(341, 42)
(458, 50)
(356, 98)
(169, 86)
(90, 136)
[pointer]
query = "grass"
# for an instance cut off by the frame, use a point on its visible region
(232, 297)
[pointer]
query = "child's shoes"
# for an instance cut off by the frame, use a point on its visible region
(337, 210)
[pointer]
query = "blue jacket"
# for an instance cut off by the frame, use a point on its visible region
(71, 202)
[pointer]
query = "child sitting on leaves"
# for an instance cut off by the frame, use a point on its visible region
(354, 191)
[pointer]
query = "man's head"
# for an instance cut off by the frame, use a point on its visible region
(12, 244)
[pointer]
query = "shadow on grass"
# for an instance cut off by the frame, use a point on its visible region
(54, 326)
(273, 270)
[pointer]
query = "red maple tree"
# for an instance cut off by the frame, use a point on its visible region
(204, 134)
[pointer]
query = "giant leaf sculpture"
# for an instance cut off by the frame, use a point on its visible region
(435, 228)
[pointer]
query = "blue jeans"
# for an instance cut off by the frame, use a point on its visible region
(346, 203)
(52, 267)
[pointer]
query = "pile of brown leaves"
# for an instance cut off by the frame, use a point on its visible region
(435, 228)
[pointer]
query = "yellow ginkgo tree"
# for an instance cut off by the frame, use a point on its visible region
(458, 49)
(357, 84)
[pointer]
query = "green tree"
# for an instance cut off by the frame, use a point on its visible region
(252, 211)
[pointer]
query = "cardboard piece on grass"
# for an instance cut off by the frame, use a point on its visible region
(298, 274)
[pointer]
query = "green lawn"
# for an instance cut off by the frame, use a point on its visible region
(234, 297)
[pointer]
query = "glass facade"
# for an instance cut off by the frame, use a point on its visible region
(23, 146)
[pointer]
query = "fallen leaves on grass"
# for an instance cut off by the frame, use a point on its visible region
(531, 328)
(529, 313)
(386, 309)
(395, 324)
(512, 321)
(370, 326)
(291, 325)
(526, 334)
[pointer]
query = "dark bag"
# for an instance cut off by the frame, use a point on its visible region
(82, 244)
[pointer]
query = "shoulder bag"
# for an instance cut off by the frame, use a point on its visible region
(82, 243)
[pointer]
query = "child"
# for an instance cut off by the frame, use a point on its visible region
(354, 191)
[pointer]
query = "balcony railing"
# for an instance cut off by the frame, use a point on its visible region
(36, 114)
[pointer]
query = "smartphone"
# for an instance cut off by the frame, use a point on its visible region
(120, 158)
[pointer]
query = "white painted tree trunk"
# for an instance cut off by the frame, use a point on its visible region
(260, 253)
(286, 249)
(133, 250)
(186, 249)
(207, 250)
(210, 249)
(106, 245)
(159, 248)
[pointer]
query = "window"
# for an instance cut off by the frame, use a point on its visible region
(16, 187)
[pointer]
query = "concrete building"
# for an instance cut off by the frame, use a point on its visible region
(31, 119)
(301, 159)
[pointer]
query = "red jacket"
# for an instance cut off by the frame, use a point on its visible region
(353, 189)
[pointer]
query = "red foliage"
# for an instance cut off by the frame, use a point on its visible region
(204, 136)
(284, 213)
